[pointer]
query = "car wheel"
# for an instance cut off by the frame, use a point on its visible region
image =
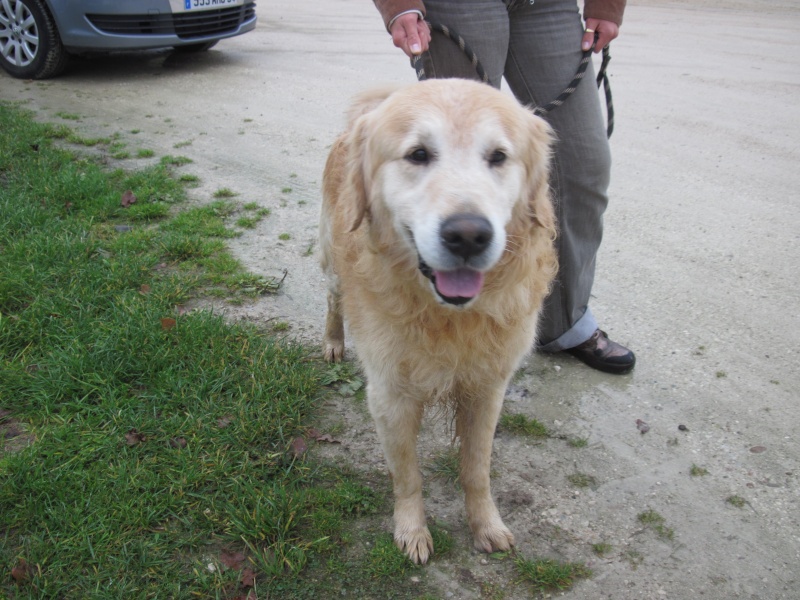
(30, 47)
(201, 47)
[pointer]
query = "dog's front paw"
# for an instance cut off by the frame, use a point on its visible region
(415, 543)
(493, 537)
(333, 351)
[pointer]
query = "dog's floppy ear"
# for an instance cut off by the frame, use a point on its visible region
(357, 169)
(540, 140)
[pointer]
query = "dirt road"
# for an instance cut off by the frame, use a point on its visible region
(698, 273)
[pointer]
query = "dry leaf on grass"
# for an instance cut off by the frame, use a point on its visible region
(133, 437)
(248, 578)
(128, 198)
(232, 560)
(298, 447)
(22, 571)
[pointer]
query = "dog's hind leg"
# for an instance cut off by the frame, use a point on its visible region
(397, 419)
(476, 419)
(333, 342)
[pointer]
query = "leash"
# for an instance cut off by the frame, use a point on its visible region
(602, 75)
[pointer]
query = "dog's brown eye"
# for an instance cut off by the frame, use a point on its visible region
(419, 156)
(496, 158)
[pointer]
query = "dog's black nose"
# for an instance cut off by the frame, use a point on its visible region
(466, 235)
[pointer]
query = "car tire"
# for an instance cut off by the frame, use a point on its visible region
(191, 48)
(30, 47)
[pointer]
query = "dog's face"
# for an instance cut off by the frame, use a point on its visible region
(447, 166)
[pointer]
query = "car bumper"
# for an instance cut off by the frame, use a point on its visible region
(113, 25)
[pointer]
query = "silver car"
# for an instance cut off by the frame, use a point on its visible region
(37, 36)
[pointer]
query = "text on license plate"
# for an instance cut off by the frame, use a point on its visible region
(192, 5)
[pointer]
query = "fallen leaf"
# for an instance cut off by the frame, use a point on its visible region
(758, 449)
(128, 198)
(642, 426)
(232, 560)
(145, 289)
(168, 323)
(21, 572)
(223, 422)
(314, 434)
(133, 437)
(248, 578)
(178, 442)
(298, 447)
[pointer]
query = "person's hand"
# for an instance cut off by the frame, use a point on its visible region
(607, 31)
(411, 34)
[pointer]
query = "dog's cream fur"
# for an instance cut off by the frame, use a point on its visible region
(381, 214)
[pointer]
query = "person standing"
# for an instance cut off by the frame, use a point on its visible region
(536, 45)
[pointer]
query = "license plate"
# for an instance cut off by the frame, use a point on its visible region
(182, 6)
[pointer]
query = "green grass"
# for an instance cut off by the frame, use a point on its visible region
(601, 549)
(224, 193)
(446, 464)
(736, 501)
(522, 425)
(175, 161)
(146, 442)
(581, 480)
(653, 520)
(548, 575)
(696, 471)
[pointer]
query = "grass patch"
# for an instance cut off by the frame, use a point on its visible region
(578, 442)
(522, 425)
(189, 178)
(175, 161)
(736, 501)
(696, 471)
(549, 575)
(581, 480)
(445, 464)
(224, 193)
(156, 442)
(652, 520)
(601, 549)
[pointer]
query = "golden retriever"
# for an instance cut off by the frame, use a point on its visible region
(437, 237)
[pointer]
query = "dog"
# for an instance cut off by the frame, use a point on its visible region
(437, 237)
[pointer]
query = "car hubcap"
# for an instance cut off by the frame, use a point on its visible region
(19, 36)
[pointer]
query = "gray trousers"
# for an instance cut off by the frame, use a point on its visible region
(535, 45)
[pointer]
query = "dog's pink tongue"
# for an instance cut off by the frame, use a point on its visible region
(461, 283)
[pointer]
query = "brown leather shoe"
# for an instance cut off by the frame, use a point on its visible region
(602, 354)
